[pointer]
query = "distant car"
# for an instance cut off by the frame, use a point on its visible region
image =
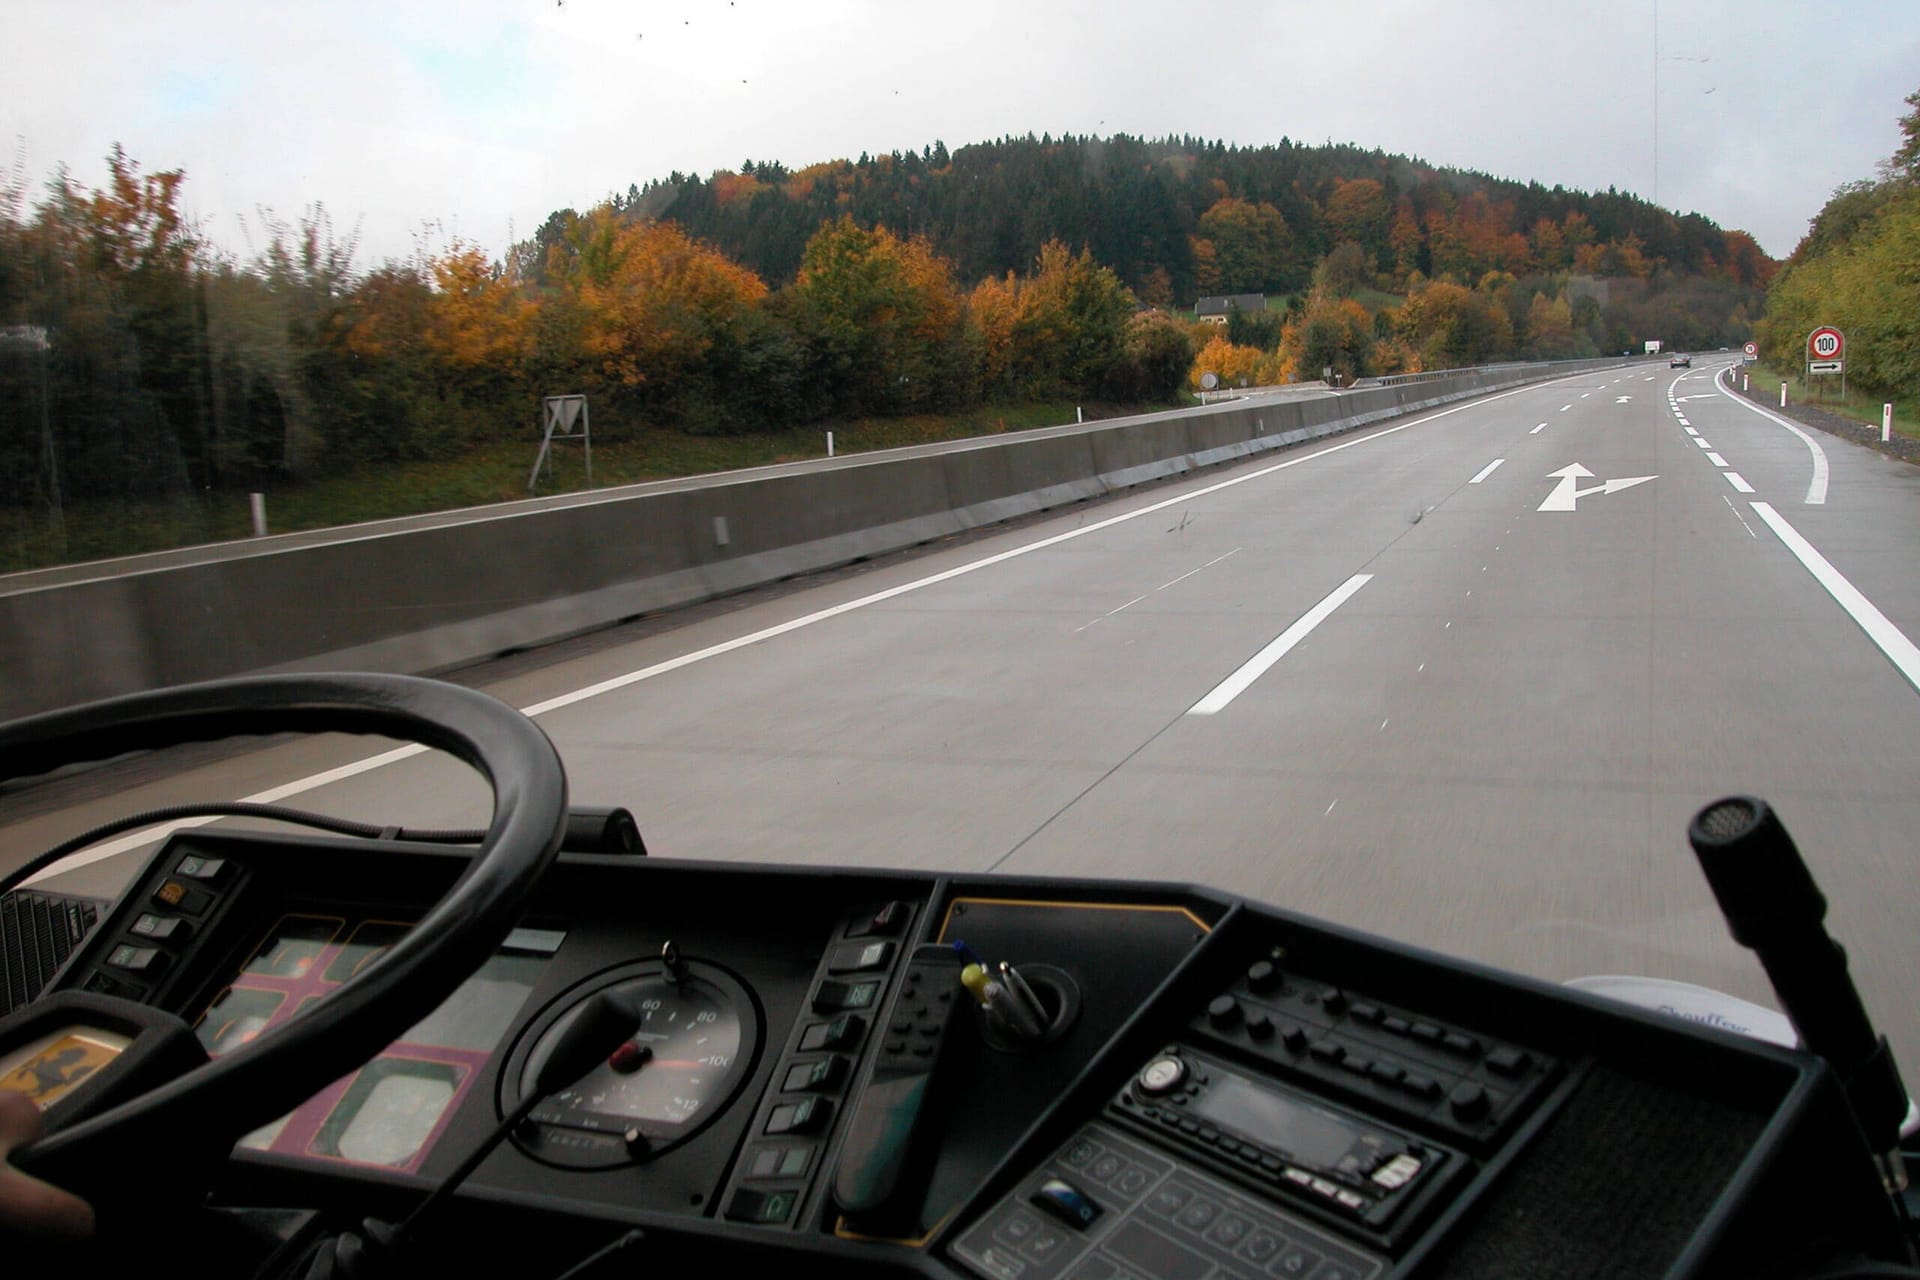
(1680, 360)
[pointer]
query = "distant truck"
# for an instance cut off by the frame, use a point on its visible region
(1653, 346)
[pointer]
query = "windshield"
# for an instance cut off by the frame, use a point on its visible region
(669, 372)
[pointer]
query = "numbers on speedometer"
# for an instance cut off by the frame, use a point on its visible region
(680, 1070)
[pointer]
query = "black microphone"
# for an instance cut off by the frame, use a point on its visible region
(1773, 906)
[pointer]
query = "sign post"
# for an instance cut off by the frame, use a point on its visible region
(562, 414)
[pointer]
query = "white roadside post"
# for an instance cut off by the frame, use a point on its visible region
(258, 502)
(1783, 393)
(829, 444)
(1886, 423)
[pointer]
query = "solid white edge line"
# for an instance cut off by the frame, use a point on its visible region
(1256, 666)
(272, 795)
(1892, 641)
(1817, 486)
(1486, 471)
(1738, 481)
(147, 835)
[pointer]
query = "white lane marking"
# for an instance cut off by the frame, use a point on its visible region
(1737, 516)
(1585, 394)
(1685, 423)
(1109, 613)
(1256, 666)
(1567, 494)
(1817, 486)
(1156, 591)
(1565, 407)
(1423, 667)
(1892, 641)
(147, 835)
(1692, 432)
(272, 795)
(1334, 801)
(1702, 442)
(1189, 573)
(1383, 724)
(1738, 481)
(1486, 471)
(1537, 430)
(1716, 459)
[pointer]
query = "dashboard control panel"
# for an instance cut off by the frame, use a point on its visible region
(1399, 1062)
(1142, 1212)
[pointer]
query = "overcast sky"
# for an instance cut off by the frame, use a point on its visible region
(484, 116)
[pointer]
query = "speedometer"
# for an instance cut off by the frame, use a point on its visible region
(698, 1034)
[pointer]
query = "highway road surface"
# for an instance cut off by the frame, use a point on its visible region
(1461, 679)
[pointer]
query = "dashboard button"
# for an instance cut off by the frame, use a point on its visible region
(1067, 1202)
(1509, 1061)
(841, 1033)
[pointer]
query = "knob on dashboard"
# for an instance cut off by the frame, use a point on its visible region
(1224, 1012)
(1262, 976)
(1469, 1102)
(1163, 1075)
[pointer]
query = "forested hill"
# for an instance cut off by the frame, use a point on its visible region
(1179, 217)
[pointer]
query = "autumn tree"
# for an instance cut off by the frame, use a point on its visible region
(664, 312)
(1448, 326)
(1859, 268)
(1344, 272)
(1550, 327)
(1904, 164)
(1158, 351)
(1071, 335)
(1332, 332)
(1358, 211)
(1250, 245)
(480, 320)
(1232, 365)
(881, 320)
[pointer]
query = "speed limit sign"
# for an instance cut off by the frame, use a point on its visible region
(1825, 343)
(1751, 349)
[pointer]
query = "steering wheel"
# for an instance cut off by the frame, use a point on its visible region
(268, 1077)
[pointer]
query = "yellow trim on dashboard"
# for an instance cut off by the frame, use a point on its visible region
(947, 922)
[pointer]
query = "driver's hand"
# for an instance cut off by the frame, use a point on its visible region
(29, 1206)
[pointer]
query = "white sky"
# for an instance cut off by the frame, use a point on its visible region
(486, 115)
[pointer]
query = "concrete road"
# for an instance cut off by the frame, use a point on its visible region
(1425, 681)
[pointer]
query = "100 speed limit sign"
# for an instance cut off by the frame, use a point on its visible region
(1825, 343)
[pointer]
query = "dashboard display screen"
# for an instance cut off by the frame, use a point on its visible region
(1310, 1136)
(388, 1112)
(48, 1068)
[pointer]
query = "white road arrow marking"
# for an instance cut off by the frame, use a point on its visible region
(1567, 493)
(1622, 399)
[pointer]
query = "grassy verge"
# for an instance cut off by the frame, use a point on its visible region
(1824, 393)
(496, 472)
